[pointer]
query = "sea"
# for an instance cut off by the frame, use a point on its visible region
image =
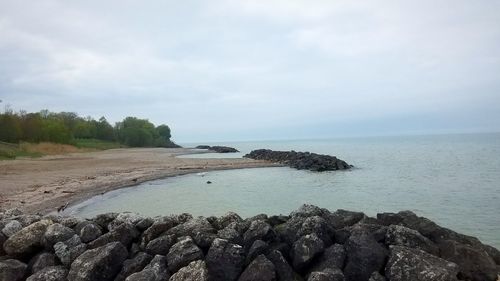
(453, 180)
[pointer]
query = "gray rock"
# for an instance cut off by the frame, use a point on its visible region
(160, 245)
(11, 228)
(284, 271)
(133, 265)
(90, 232)
(71, 222)
(56, 233)
(124, 233)
(413, 264)
(126, 217)
(104, 219)
(258, 247)
(318, 226)
(102, 263)
(12, 270)
(27, 240)
(195, 271)
(12, 212)
(182, 253)
(51, 273)
(258, 230)
(333, 257)
(402, 236)
(474, 263)
(230, 234)
(67, 251)
(42, 261)
(26, 220)
(3, 238)
(192, 227)
(305, 250)
(144, 224)
(343, 218)
(377, 277)
(157, 228)
(328, 274)
(156, 270)
(228, 218)
(225, 260)
(261, 269)
(364, 256)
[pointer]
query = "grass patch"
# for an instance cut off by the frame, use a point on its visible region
(13, 151)
(97, 144)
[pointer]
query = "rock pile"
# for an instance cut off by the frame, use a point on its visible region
(300, 160)
(310, 244)
(218, 149)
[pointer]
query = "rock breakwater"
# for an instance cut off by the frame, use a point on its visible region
(218, 149)
(311, 243)
(300, 160)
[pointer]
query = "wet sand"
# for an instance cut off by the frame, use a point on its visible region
(43, 185)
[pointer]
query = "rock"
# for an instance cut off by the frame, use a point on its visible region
(26, 220)
(127, 217)
(195, 271)
(275, 220)
(307, 210)
(402, 236)
(230, 234)
(364, 256)
(160, 245)
(104, 219)
(258, 247)
(225, 260)
(182, 253)
(144, 224)
(71, 222)
(305, 250)
(12, 270)
(413, 264)
(204, 239)
(474, 264)
(318, 226)
(343, 218)
(377, 277)
(90, 232)
(218, 148)
(27, 240)
(124, 233)
(67, 251)
(258, 230)
(133, 265)
(284, 271)
(226, 219)
(56, 233)
(156, 270)
(42, 261)
(12, 228)
(157, 229)
(102, 263)
(261, 269)
(12, 213)
(51, 273)
(328, 274)
(3, 238)
(333, 257)
(300, 160)
(192, 227)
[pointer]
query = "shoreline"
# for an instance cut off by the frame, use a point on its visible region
(44, 184)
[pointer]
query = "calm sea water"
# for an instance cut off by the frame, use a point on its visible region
(451, 179)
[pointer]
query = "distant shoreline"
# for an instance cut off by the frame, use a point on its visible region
(42, 185)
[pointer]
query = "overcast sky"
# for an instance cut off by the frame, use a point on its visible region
(238, 70)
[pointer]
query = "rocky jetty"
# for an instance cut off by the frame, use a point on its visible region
(300, 160)
(309, 244)
(218, 149)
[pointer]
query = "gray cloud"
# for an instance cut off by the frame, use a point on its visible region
(223, 70)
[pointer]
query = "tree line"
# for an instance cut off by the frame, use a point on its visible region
(67, 127)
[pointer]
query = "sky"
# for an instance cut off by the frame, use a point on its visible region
(224, 70)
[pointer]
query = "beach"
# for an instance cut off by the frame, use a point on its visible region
(42, 185)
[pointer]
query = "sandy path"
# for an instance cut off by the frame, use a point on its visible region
(42, 185)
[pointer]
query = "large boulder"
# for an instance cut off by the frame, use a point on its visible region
(192, 227)
(414, 264)
(12, 270)
(67, 251)
(51, 273)
(261, 269)
(402, 236)
(127, 217)
(182, 253)
(56, 233)
(156, 270)
(28, 240)
(88, 231)
(327, 274)
(124, 233)
(258, 230)
(364, 256)
(160, 245)
(333, 257)
(258, 247)
(305, 250)
(41, 261)
(225, 260)
(284, 271)
(133, 265)
(11, 228)
(318, 226)
(102, 263)
(195, 271)
(227, 219)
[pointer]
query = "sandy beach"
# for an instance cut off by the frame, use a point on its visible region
(42, 185)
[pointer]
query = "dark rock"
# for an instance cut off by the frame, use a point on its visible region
(90, 232)
(284, 271)
(51, 273)
(156, 270)
(133, 265)
(226, 219)
(182, 253)
(26, 220)
(275, 220)
(305, 250)
(12, 270)
(204, 239)
(144, 224)
(157, 228)
(67, 251)
(230, 234)
(333, 257)
(26, 241)
(402, 236)
(124, 233)
(104, 219)
(101, 263)
(364, 256)
(258, 247)
(474, 264)
(328, 274)
(160, 245)
(413, 264)
(3, 238)
(218, 148)
(493, 253)
(70, 222)
(307, 210)
(258, 230)
(377, 277)
(56, 233)
(343, 218)
(261, 269)
(318, 226)
(192, 227)
(41, 261)
(11, 228)
(300, 160)
(195, 271)
(126, 217)
(225, 260)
